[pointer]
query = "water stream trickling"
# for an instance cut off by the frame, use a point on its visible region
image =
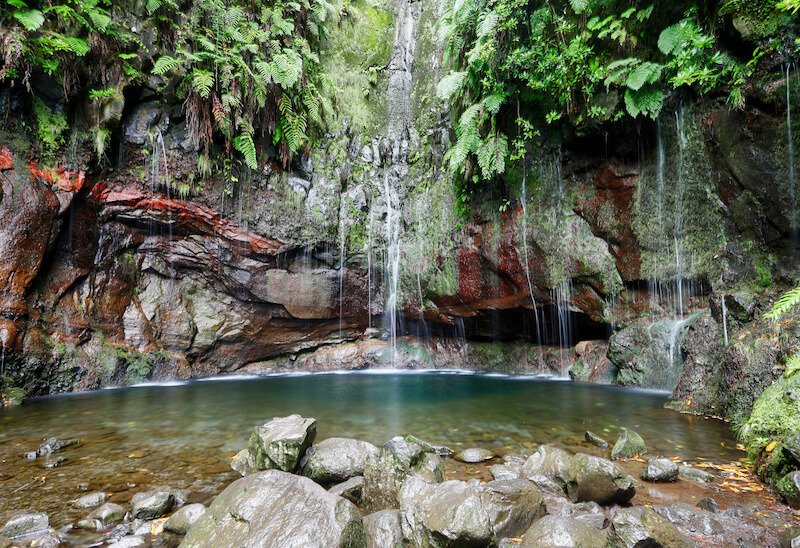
(525, 250)
(792, 175)
(392, 264)
(341, 270)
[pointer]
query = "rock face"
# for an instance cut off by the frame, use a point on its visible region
(384, 529)
(182, 520)
(274, 508)
(457, 513)
(385, 472)
(562, 532)
(593, 479)
(337, 459)
(278, 444)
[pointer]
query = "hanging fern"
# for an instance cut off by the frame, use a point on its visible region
(245, 145)
(786, 302)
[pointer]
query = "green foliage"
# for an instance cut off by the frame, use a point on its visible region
(50, 128)
(789, 5)
(580, 63)
(786, 302)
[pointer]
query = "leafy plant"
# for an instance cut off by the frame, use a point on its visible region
(786, 302)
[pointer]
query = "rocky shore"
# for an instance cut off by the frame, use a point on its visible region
(297, 491)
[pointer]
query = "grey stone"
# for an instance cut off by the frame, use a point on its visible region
(640, 526)
(53, 462)
(244, 462)
(505, 471)
(54, 445)
(282, 442)
(596, 440)
(589, 513)
(513, 505)
(691, 518)
(629, 444)
(695, 474)
(385, 472)
(384, 529)
(151, 504)
(336, 459)
(91, 500)
(474, 455)
(103, 516)
(352, 489)
(439, 450)
(708, 504)
(129, 542)
(137, 126)
(600, 480)
(430, 468)
(25, 524)
(562, 532)
(274, 508)
(660, 470)
(182, 520)
(550, 462)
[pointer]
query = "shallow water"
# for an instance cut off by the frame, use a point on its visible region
(183, 436)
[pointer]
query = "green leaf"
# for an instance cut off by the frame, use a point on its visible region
(644, 73)
(30, 20)
(202, 82)
(165, 64)
(647, 102)
(449, 85)
(672, 38)
(786, 302)
(245, 145)
(579, 6)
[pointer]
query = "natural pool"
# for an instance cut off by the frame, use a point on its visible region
(183, 435)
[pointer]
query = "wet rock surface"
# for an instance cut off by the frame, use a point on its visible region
(336, 459)
(25, 524)
(660, 470)
(474, 455)
(630, 444)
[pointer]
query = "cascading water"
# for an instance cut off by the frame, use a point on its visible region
(392, 265)
(562, 296)
(679, 190)
(724, 319)
(792, 173)
(525, 249)
(368, 252)
(3, 344)
(341, 270)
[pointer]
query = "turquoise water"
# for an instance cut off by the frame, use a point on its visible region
(184, 435)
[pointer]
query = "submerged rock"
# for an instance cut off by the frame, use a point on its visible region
(439, 450)
(151, 504)
(691, 518)
(562, 532)
(385, 472)
(599, 480)
(274, 508)
(336, 459)
(282, 442)
(474, 455)
(54, 462)
(660, 470)
(352, 489)
(90, 500)
(25, 524)
(640, 526)
(695, 474)
(54, 445)
(630, 444)
(708, 504)
(595, 440)
(384, 529)
(183, 519)
(102, 517)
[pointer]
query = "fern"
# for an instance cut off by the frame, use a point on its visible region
(450, 85)
(165, 64)
(644, 73)
(245, 145)
(647, 102)
(202, 82)
(30, 19)
(673, 38)
(786, 302)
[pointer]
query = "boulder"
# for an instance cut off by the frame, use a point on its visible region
(789, 537)
(562, 532)
(25, 524)
(438, 450)
(457, 513)
(131, 541)
(640, 526)
(595, 440)
(709, 505)
(451, 513)
(385, 472)
(182, 520)
(384, 529)
(282, 442)
(660, 470)
(336, 459)
(151, 504)
(589, 513)
(550, 462)
(352, 489)
(599, 480)
(789, 488)
(629, 444)
(102, 517)
(696, 520)
(505, 471)
(274, 508)
(244, 462)
(90, 500)
(474, 455)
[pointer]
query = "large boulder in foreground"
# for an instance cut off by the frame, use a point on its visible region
(549, 462)
(562, 532)
(383, 529)
(278, 444)
(336, 460)
(457, 513)
(385, 472)
(274, 508)
(640, 526)
(594, 479)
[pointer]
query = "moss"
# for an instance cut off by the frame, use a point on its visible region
(787, 488)
(12, 396)
(776, 413)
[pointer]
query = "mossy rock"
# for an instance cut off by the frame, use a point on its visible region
(789, 488)
(775, 415)
(629, 444)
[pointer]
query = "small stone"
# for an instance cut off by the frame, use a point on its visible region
(30, 455)
(596, 440)
(25, 524)
(129, 542)
(91, 500)
(708, 504)
(151, 504)
(660, 470)
(102, 517)
(351, 489)
(54, 445)
(440, 450)
(54, 462)
(83, 487)
(629, 445)
(694, 474)
(180, 521)
(474, 455)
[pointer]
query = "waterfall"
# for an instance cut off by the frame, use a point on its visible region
(341, 271)
(525, 248)
(3, 344)
(790, 149)
(678, 221)
(724, 319)
(562, 295)
(398, 97)
(654, 283)
(368, 244)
